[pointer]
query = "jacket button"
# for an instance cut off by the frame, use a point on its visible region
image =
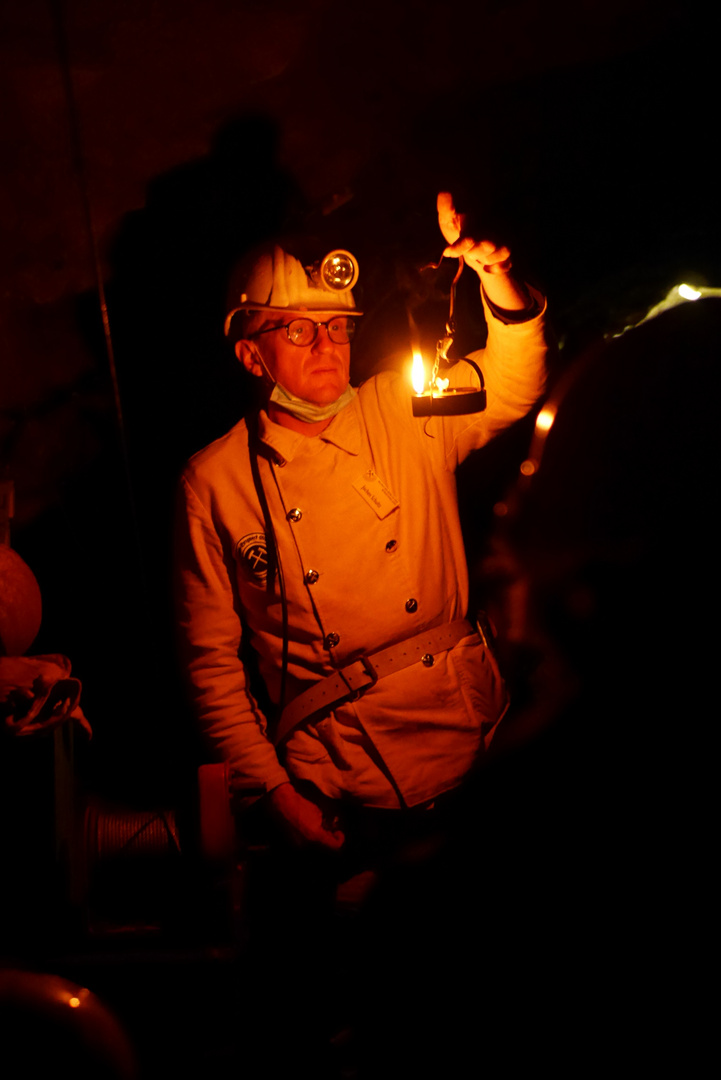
(331, 640)
(391, 545)
(279, 461)
(294, 515)
(411, 606)
(428, 659)
(311, 576)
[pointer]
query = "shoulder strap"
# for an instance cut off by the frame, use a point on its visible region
(255, 449)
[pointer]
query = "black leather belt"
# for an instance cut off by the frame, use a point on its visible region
(353, 679)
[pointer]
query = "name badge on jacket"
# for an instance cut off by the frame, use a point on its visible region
(373, 491)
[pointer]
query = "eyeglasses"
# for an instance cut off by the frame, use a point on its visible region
(303, 332)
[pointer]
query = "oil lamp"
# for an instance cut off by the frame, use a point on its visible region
(437, 398)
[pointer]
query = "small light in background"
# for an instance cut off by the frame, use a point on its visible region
(545, 418)
(679, 294)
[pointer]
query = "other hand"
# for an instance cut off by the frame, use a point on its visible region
(301, 820)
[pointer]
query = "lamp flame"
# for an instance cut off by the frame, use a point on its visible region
(418, 373)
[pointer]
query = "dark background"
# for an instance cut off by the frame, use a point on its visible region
(147, 145)
(152, 144)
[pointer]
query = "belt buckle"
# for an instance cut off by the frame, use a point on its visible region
(356, 691)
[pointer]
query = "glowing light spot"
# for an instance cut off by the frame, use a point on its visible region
(74, 1002)
(545, 418)
(418, 373)
(500, 509)
(528, 468)
(688, 292)
(442, 384)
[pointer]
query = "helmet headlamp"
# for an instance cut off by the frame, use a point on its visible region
(277, 281)
(337, 271)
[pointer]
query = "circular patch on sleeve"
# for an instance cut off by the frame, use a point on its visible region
(252, 551)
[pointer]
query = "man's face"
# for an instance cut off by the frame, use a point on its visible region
(318, 372)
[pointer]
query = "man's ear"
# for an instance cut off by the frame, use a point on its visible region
(247, 353)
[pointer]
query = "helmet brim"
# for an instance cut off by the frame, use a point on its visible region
(249, 307)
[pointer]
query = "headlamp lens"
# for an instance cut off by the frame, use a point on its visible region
(339, 270)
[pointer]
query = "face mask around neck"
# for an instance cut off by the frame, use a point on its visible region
(306, 410)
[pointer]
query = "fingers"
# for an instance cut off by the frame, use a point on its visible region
(333, 839)
(488, 257)
(302, 821)
(461, 247)
(314, 833)
(482, 255)
(480, 251)
(450, 221)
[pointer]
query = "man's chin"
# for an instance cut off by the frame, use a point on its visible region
(325, 399)
(327, 396)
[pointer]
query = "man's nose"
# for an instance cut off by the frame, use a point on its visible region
(322, 342)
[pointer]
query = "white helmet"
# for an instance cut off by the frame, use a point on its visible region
(277, 281)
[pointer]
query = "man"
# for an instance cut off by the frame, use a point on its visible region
(323, 532)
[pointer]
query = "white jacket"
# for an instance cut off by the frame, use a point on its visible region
(367, 575)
